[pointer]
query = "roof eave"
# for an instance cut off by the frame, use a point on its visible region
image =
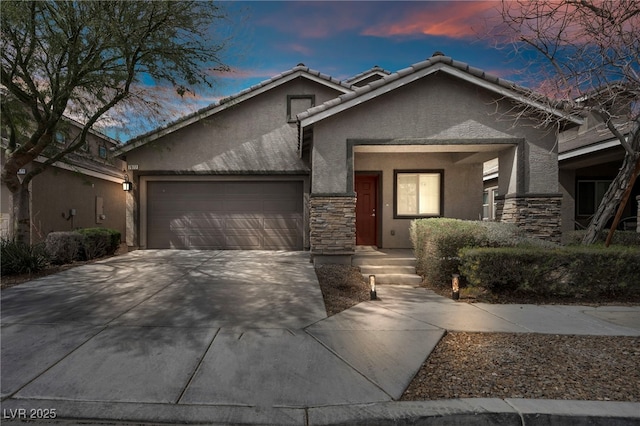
(500, 89)
(225, 104)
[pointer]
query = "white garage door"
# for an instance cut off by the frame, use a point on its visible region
(225, 215)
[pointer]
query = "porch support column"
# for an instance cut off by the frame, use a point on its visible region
(332, 223)
(538, 215)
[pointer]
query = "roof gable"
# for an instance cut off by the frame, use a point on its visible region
(365, 77)
(417, 71)
(298, 71)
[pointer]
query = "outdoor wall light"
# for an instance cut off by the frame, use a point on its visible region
(455, 287)
(372, 286)
(126, 185)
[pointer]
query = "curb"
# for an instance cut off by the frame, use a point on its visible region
(481, 412)
(473, 411)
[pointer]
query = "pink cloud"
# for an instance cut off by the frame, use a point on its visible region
(298, 48)
(450, 19)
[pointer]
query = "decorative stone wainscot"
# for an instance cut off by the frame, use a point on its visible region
(332, 225)
(537, 214)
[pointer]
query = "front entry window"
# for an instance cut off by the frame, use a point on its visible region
(418, 193)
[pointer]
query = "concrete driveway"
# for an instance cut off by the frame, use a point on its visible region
(173, 288)
(137, 327)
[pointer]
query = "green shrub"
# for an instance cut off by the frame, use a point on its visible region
(20, 258)
(64, 247)
(437, 243)
(578, 271)
(622, 238)
(99, 242)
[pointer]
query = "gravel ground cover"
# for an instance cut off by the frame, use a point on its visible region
(506, 365)
(342, 287)
(535, 366)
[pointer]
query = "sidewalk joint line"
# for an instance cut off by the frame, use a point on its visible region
(337, 355)
(195, 371)
(522, 421)
(11, 396)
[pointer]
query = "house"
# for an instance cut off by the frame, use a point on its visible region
(305, 161)
(82, 191)
(589, 158)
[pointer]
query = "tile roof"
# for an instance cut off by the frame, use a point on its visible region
(375, 70)
(434, 60)
(298, 68)
(223, 103)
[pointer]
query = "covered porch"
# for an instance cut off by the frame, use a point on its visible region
(396, 183)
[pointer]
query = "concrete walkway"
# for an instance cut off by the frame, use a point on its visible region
(220, 337)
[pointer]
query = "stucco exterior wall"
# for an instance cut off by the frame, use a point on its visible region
(437, 109)
(462, 188)
(253, 135)
(4, 204)
(56, 191)
(568, 191)
(541, 163)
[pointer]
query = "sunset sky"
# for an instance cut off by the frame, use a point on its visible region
(345, 38)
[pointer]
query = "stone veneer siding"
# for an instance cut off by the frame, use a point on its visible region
(537, 214)
(332, 224)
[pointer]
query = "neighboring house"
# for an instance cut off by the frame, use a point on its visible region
(304, 161)
(589, 159)
(82, 191)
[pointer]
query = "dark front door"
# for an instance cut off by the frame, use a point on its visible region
(366, 187)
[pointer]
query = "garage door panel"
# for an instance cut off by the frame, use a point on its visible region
(236, 189)
(247, 240)
(276, 238)
(243, 205)
(225, 215)
(208, 223)
(175, 224)
(248, 222)
(283, 205)
(281, 223)
(207, 241)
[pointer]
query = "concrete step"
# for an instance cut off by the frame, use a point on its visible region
(390, 266)
(400, 279)
(387, 269)
(369, 260)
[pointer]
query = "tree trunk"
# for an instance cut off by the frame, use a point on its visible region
(21, 214)
(611, 200)
(623, 203)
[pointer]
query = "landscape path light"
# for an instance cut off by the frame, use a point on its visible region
(372, 287)
(455, 286)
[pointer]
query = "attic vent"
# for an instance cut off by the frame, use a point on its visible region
(437, 53)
